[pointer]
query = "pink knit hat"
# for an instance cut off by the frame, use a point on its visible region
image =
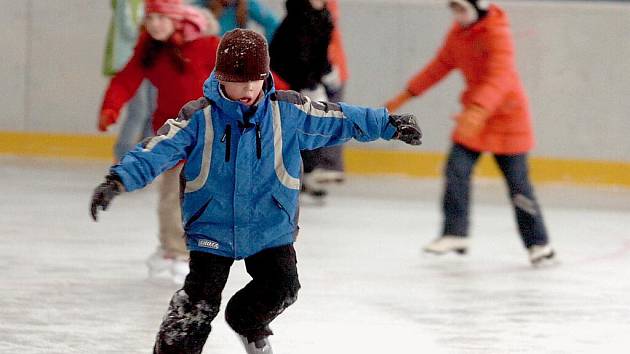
(189, 21)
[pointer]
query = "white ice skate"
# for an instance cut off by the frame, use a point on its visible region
(541, 255)
(261, 346)
(179, 270)
(159, 265)
(312, 193)
(446, 244)
(323, 176)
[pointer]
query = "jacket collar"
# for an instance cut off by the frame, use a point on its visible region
(233, 110)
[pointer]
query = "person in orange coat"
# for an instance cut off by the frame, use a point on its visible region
(495, 118)
(336, 52)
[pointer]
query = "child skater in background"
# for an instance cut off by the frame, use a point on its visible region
(121, 39)
(233, 14)
(241, 145)
(495, 118)
(175, 53)
(300, 57)
(329, 163)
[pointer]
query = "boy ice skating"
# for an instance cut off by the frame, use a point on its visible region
(240, 185)
(495, 118)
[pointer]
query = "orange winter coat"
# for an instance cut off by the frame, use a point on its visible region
(485, 55)
(336, 53)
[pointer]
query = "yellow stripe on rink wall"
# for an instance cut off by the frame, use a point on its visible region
(430, 164)
(365, 161)
(57, 145)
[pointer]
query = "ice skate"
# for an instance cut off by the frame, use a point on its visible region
(179, 270)
(313, 188)
(540, 255)
(324, 176)
(159, 264)
(446, 244)
(312, 193)
(257, 347)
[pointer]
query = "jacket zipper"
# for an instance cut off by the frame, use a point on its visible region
(227, 140)
(258, 142)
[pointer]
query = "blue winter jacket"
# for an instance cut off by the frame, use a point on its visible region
(240, 181)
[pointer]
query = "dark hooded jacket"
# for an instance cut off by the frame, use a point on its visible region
(299, 49)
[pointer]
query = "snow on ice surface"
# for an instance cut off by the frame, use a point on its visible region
(69, 285)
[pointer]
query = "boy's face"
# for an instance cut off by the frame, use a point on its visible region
(246, 93)
(160, 27)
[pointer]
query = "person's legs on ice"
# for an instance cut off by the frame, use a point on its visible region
(171, 257)
(329, 166)
(456, 203)
(159, 264)
(187, 323)
(461, 162)
(273, 288)
(529, 216)
(311, 186)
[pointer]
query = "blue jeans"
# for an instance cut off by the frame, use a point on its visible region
(461, 162)
(137, 124)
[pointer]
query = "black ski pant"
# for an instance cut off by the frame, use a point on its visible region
(273, 288)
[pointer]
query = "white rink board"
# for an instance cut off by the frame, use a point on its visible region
(69, 285)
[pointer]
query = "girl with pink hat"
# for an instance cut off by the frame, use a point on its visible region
(176, 54)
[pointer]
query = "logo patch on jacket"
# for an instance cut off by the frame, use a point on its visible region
(208, 244)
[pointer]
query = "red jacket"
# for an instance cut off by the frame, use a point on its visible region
(174, 88)
(485, 55)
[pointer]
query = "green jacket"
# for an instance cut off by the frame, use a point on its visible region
(122, 34)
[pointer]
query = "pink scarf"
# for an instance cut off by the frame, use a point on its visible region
(189, 21)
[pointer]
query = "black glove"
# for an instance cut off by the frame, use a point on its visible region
(104, 193)
(407, 129)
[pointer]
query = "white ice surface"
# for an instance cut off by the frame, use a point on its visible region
(69, 285)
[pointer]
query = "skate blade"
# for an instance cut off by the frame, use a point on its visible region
(546, 262)
(308, 200)
(459, 251)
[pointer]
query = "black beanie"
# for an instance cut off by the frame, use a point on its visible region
(242, 56)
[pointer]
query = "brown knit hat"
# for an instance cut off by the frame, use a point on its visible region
(242, 56)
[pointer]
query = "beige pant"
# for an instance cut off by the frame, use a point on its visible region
(172, 238)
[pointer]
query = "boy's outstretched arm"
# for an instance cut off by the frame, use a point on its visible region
(149, 159)
(324, 124)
